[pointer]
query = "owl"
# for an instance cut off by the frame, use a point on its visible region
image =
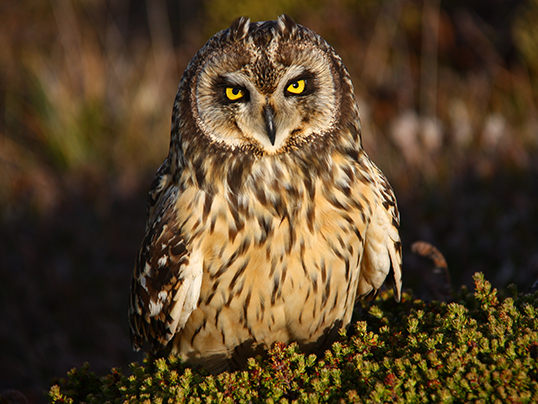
(267, 221)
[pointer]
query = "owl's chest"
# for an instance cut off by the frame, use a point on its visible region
(262, 235)
(281, 272)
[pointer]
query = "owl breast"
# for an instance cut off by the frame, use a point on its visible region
(278, 263)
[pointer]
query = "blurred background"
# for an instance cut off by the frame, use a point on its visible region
(448, 94)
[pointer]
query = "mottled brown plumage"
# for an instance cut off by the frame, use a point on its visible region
(267, 220)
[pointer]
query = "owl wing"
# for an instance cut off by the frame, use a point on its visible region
(166, 282)
(382, 256)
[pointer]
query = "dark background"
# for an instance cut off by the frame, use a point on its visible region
(448, 97)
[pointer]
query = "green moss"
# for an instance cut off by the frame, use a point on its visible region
(480, 348)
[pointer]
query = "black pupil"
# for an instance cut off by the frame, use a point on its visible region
(235, 91)
(296, 84)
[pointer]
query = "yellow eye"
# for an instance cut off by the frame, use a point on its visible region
(234, 93)
(297, 87)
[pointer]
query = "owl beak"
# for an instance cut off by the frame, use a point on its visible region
(269, 118)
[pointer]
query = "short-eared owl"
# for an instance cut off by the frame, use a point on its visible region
(267, 220)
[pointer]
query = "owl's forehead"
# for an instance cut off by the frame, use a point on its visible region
(265, 66)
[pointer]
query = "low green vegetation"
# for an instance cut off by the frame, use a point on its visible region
(479, 348)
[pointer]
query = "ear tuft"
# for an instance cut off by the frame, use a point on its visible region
(239, 28)
(286, 26)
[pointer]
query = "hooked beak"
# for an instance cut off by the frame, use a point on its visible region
(269, 118)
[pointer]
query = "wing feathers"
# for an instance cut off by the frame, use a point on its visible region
(382, 256)
(167, 276)
(186, 297)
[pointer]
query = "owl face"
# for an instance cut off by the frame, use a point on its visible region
(265, 87)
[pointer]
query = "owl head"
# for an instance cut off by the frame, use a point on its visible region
(264, 89)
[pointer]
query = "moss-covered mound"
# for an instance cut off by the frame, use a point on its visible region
(478, 349)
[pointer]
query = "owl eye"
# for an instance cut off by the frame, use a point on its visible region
(234, 93)
(297, 87)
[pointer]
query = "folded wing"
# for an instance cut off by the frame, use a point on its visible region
(167, 277)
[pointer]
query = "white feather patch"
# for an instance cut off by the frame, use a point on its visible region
(162, 261)
(155, 307)
(187, 295)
